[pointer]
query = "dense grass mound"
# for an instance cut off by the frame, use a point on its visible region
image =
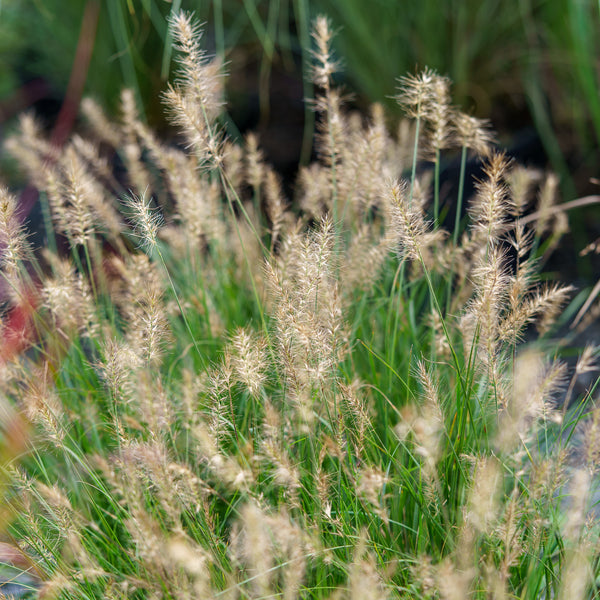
(230, 395)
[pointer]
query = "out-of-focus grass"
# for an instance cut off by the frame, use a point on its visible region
(132, 46)
(538, 56)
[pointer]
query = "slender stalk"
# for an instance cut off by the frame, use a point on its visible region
(457, 218)
(436, 190)
(413, 174)
(88, 262)
(459, 199)
(394, 309)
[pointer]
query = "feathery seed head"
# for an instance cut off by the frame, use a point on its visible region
(587, 362)
(481, 321)
(196, 99)
(255, 162)
(492, 204)
(520, 181)
(187, 34)
(69, 299)
(546, 200)
(408, 223)
(591, 441)
(364, 581)
(371, 481)
(548, 303)
(358, 411)
(118, 362)
(473, 133)
(255, 548)
(325, 65)
(429, 426)
(333, 130)
(103, 128)
(275, 204)
(579, 496)
(13, 238)
(416, 92)
(149, 332)
(139, 177)
(438, 119)
(233, 164)
(535, 383)
(146, 219)
(484, 494)
(249, 361)
(31, 149)
(79, 223)
(43, 406)
(314, 190)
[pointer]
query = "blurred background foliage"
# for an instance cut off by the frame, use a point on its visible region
(531, 65)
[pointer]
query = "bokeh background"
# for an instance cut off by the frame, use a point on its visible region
(531, 66)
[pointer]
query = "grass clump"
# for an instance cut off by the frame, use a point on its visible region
(235, 396)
